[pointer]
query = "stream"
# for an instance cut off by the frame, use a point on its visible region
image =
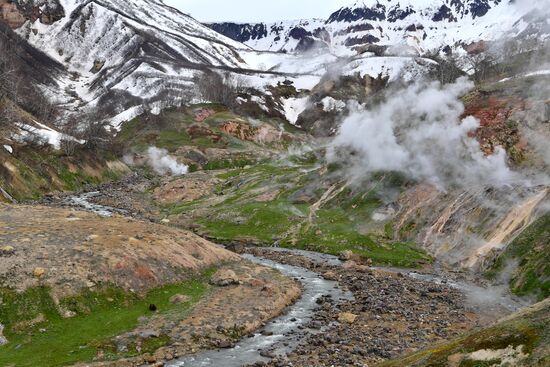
(283, 333)
(487, 298)
(83, 202)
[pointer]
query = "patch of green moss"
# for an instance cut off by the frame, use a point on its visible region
(229, 174)
(531, 250)
(75, 180)
(264, 223)
(100, 316)
(341, 235)
(472, 363)
(172, 139)
(227, 164)
(343, 223)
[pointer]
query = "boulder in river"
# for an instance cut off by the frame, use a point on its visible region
(345, 255)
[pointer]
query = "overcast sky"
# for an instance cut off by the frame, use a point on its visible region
(257, 10)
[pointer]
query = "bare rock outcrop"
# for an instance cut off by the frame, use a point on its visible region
(16, 12)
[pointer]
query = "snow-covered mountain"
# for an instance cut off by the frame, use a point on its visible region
(118, 57)
(118, 52)
(300, 35)
(417, 26)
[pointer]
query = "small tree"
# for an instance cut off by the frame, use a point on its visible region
(480, 64)
(8, 114)
(447, 69)
(17, 82)
(69, 141)
(219, 89)
(96, 136)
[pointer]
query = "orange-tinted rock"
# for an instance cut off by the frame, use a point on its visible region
(239, 130)
(203, 114)
(200, 131)
(495, 115)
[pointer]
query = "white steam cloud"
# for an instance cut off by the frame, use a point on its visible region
(419, 132)
(160, 161)
(163, 164)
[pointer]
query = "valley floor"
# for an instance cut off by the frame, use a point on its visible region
(392, 312)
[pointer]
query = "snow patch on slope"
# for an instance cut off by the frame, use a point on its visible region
(293, 107)
(43, 132)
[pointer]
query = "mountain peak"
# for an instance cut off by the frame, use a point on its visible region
(422, 25)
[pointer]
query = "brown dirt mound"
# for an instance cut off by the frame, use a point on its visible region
(69, 250)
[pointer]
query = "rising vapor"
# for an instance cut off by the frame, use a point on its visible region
(419, 132)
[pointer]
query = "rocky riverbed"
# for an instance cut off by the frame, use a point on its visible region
(390, 314)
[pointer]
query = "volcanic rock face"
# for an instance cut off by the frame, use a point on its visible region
(16, 12)
(10, 14)
(392, 12)
(241, 32)
(300, 35)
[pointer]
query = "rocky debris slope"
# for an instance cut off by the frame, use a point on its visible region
(69, 250)
(391, 314)
(521, 340)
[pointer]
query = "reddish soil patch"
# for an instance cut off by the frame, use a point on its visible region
(497, 124)
(200, 131)
(203, 114)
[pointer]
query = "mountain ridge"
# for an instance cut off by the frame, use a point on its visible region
(429, 26)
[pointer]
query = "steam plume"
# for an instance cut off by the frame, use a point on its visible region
(419, 132)
(160, 161)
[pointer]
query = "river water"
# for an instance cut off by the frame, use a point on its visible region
(82, 201)
(281, 335)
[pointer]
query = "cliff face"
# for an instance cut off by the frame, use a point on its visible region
(16, 12)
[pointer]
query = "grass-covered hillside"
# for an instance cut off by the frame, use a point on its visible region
(528, 257)
(28, 173)
(296, 202)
